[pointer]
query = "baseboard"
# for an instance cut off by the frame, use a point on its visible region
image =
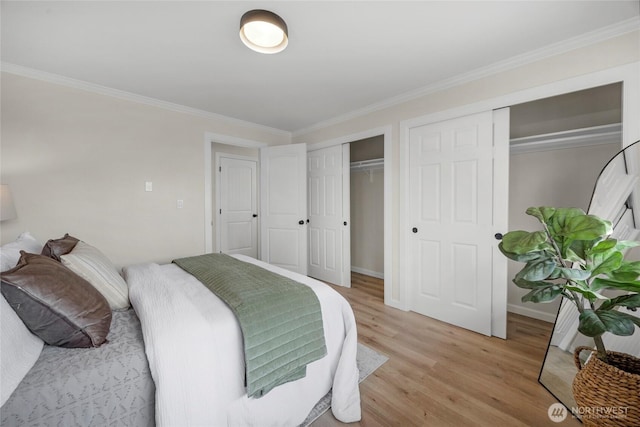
(529, 312)
(367, 272)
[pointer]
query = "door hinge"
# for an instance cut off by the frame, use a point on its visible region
(219, 168)
(220, 211)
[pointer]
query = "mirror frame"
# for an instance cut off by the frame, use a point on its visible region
(546, 355)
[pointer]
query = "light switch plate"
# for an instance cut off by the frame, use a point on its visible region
(148, 186)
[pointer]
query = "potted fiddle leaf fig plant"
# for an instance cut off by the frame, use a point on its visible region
(574, 256)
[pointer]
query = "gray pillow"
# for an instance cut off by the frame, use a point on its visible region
(55, 248)
(57, 305)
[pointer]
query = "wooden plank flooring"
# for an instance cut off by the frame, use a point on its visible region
(442, 375)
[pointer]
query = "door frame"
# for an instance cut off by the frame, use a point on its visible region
(628, 75)
(346, 214)
(217, 221)
(386, 131)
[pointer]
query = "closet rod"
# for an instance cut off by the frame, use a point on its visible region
(368, 164)
(594, 135)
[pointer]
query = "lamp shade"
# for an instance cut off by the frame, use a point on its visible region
(7, 209)
(263, 31)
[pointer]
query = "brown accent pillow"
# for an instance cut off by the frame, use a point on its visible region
(55, 248)
(57, 305)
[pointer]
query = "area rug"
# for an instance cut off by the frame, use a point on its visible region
(368, 360)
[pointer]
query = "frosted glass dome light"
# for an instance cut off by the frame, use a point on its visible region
(263, 31)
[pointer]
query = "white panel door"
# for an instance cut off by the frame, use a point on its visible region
(451, 243)
(238, 206)
(283, 206)
(326, 214)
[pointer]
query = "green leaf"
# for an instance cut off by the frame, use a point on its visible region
(572, 255)
(560, 219)
(575, 273)
(577, 251)
(527, 284)
(606, 262)
(590, 324)
(557, 274)
(586, 227)
(628, 270)
(543, 294)
(521, 242)
(622, 285)
(634, 319)
(612, 321)
(631, 301)
(543, 213)
(529, 256)
(584, 290)
(604, 245)
(538, 269)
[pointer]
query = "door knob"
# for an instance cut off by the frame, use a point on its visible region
(498, 236)
(414, 229)
(345, 223)
(301, 222)
(255, 215)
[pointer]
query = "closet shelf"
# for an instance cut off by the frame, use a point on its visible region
(367, 165)
(594, 135)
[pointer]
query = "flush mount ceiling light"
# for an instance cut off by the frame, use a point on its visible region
(263, 31)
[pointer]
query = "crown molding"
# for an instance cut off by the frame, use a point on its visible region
(590, 38)
(128, 96)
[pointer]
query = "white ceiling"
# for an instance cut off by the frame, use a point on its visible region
(342, 56)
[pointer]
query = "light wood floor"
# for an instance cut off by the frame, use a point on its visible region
(441, 375)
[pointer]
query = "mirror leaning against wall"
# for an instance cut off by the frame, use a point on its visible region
(615, 197)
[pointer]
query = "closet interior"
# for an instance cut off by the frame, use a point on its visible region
(367, 206)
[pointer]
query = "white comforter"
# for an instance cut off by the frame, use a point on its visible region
(194, 346)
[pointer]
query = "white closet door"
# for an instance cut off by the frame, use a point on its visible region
(451, 240)
(238, 206)
(283, 204)
(326, 214)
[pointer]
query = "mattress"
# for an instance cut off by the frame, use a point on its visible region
(110, 385)
(200, 382)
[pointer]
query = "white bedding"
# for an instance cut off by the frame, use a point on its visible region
(194, 347)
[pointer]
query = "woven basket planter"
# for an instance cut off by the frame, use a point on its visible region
(608, 394)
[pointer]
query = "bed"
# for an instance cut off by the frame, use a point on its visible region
(176, 358)
(108, 385)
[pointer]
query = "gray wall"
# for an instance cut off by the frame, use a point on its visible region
(559, 178)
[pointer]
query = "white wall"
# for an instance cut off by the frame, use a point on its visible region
(77, 162)
(553, 70)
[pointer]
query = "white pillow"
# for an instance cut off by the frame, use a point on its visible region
(94, 267)
(10, 253)
(19, 350)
